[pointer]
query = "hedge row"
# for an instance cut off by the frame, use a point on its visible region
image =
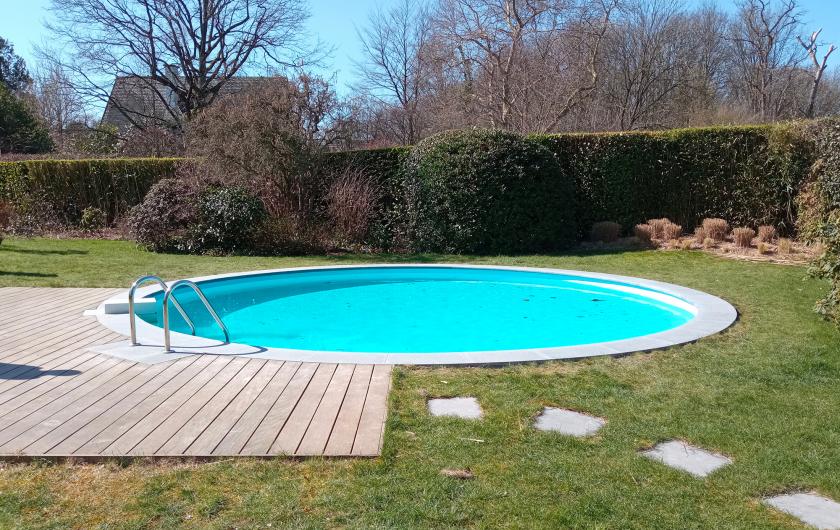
(67, 187)
(747, 175)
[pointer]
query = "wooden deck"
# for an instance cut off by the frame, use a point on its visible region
(58, 399)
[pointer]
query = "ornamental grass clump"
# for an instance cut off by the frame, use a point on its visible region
(766, 233)
(605, 232)
(699, 234)
(785, 246)
(658, 227)
(743, 236)
(715, 228)
(644, 233)
(671, 231)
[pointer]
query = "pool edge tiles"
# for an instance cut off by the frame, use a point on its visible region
(711, 315)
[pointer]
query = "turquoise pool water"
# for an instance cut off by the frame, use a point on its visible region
(426, 310)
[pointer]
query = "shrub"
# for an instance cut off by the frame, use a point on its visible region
(92, 219)
(715, 228)
(605, 232)
(699, 234)
(766, 233)
(671, 231)
(824, 212)
(227, 218)
(5, 217)
(351, 205)
(20, 130)
(743, 237)
(160, 222)
(487, 191)
(785, 246)
(644, 233)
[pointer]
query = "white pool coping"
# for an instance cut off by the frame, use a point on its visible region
(712, 315)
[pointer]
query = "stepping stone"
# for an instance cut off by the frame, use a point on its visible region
(568, 422)
(809, 508)
(458, 407)
(688, 458)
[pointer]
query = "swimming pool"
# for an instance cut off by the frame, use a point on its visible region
(431, 314)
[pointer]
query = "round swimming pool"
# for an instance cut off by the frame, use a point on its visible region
(418, 314)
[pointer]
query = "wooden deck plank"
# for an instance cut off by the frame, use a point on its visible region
(59, 399)
(191, 430)
(242, 431)
(318, 431)
(208, 440)
(184, 412)
(347, 423)
(262, 439)
(110, 413)
(289, 438)
(69, 405)
(81, 418)
(132, 416)
(372, 423)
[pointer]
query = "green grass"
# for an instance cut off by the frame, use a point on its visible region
(766, 393)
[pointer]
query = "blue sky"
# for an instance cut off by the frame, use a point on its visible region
(334, 22)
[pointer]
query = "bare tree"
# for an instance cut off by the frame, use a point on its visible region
(393, 68)
(646, 60)
(58, 103)
(766, 56)
(528, 60)
(812, 47)
(182, 51)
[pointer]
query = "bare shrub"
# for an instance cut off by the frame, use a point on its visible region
(351, 204)
(605, 231)
(785, 246)
(766, 233)
(644, 233)
(671, 231)
(743, 236)
(715, 228)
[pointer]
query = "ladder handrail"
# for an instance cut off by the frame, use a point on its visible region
(204, 300)
(131, 316)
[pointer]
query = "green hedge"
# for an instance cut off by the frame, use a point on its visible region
(746, 175)
(485, 191)
(67, 187)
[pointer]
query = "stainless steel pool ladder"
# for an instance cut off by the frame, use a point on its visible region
(131, 315)
(168, 293)
(201, 297)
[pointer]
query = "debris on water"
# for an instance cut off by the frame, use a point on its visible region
(462, 474)
(597, 300)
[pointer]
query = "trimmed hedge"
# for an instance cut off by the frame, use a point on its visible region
(747, 175)
(487, 191)
(67, 187)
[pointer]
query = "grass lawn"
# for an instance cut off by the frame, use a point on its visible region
(766, 393)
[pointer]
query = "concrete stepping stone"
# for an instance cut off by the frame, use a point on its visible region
(810, 508)
(457, 407)
(685, 457)
(568, 422)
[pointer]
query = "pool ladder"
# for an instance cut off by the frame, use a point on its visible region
(169, 294)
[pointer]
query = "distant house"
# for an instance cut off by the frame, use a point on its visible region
(140, 101)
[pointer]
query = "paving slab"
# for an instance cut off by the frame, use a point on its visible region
(568, 422)
(810, 508)
(694, 460)
(459, 407)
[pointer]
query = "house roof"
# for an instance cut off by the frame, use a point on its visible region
(139, 99)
